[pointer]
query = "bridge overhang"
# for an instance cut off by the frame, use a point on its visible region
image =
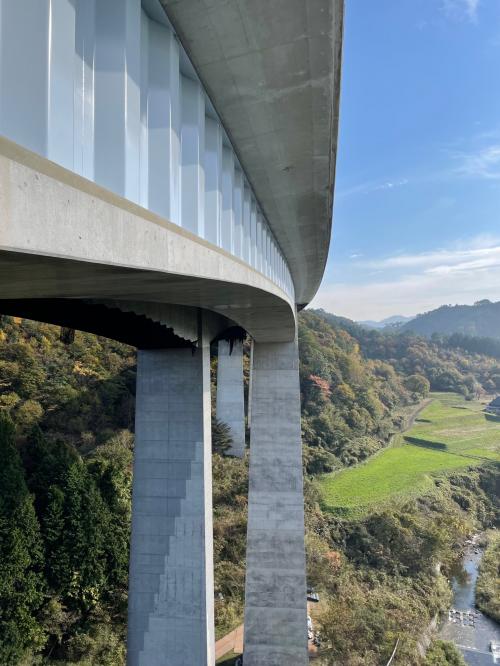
(272, 71)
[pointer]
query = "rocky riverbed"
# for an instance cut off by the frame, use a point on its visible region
(466, 626)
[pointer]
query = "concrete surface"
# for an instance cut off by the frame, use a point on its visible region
(62, 236)
(275, 609)
(230, 393)
(272, 71)
(171, 598)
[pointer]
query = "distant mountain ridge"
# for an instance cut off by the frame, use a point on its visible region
(479, 320)
(388, 321)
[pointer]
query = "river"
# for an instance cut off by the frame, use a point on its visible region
(471, 631)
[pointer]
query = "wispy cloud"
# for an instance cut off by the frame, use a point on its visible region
(373, 186)
(409, 295)
(461, 9)
(442, 260)
(482, 163)
(411, 283)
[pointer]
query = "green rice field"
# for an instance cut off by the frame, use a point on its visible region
(449, 434)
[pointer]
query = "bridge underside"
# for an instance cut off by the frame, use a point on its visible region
(43, 288)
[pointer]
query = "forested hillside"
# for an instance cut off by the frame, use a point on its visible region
(450, 363)
(479, 320)
(66, 442)
(359, 386)
(65, 473)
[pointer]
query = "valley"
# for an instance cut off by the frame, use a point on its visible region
(449, 434)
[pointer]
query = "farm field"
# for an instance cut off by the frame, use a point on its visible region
(449, 434)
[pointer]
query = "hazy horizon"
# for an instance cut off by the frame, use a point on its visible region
(314, 305)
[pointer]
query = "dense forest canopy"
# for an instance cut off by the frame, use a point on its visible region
(479, 320)
(66, 443)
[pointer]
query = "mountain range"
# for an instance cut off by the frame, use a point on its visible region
(395, 320)
(479, 320)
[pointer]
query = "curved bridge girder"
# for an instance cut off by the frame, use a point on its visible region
(62, 236)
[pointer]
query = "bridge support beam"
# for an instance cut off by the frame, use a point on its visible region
(275, 604)
(171, 613)
(230, 393)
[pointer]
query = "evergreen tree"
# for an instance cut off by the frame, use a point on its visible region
(221, 437)
(21, 556)
(86, 527)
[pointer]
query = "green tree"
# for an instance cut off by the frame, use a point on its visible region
(443, 653)
(85, 532)
(418, 384)
(21, 558)
(221, 437)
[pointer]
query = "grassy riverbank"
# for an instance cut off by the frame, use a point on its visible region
(449, 434)
(488, 582)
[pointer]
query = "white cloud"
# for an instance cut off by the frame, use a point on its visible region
(409, 295)
(372, 186)
(441, 259)
(483, 163)
(409, 284)
(461, 9)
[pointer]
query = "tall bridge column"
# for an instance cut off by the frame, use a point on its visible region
(171, 613)
(275, 603)
(230, 392)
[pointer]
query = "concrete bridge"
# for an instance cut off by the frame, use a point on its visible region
(166, 178)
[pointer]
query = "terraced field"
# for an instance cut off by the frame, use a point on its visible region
(449, 434)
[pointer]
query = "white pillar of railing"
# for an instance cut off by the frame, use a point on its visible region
(161, 112)
(84, 88)
(227, 223)
(253, 232)
(247, 240)
(213, 180)
(192, 156)
(24, 72)
(61, 94)
(238, 213)
(117, 96)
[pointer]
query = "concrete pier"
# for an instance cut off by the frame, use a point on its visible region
(171, 614)
(230, 394)
(275, 610)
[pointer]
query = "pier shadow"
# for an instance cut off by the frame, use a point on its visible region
(443, 448)
(423, 421)
(426, 444)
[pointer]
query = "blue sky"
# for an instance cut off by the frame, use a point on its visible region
(417, 196)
